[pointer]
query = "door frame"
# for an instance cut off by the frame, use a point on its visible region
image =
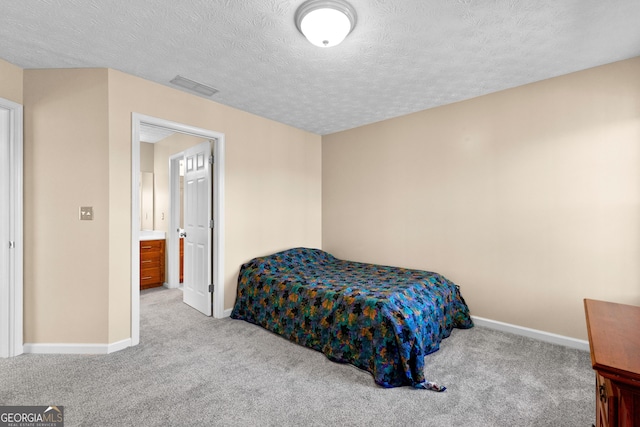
(11, 228)
(218, 212)
(173, 243)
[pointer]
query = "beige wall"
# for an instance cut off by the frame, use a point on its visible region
(11, 82)
(527, 198)
(66, 264)
(146, 157)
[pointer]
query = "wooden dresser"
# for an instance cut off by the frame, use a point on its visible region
(151, 263)
(614, 341)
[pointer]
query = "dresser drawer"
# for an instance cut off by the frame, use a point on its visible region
(151, 262)
(151, 255)
(151, 246)
(150, 276)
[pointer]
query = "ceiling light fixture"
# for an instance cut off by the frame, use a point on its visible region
(193, 86)
(325, 23)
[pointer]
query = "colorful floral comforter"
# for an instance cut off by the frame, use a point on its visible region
(382, 319)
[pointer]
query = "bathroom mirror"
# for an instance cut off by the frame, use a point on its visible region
(146, 201)
(152, 187)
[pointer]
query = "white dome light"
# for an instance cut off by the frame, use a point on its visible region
(325, 23)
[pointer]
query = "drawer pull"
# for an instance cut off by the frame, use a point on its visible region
(146, 260)
(147, 247)
(145, 278)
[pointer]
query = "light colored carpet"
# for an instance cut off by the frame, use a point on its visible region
(190, 370)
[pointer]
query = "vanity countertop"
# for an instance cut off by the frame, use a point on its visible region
(152, 235)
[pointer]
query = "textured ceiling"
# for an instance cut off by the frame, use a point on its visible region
(403, 56)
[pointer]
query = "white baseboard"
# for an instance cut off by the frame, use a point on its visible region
(119, 345)
(77, 348)
(532, 333)
(227, 312)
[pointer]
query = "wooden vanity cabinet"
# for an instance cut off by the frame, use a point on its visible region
(614, 342)
(151, 263)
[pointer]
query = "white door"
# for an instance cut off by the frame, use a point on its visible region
(5, 224)
(11, 241)
(197, 227)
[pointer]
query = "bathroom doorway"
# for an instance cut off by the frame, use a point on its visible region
(167, 212)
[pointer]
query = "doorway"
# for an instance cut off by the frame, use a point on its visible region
(217, 246)
(11, 229)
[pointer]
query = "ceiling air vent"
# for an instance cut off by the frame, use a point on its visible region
(196, 87)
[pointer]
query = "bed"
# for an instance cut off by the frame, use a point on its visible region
(381, 319)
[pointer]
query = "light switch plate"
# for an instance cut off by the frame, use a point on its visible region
(86, 213)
